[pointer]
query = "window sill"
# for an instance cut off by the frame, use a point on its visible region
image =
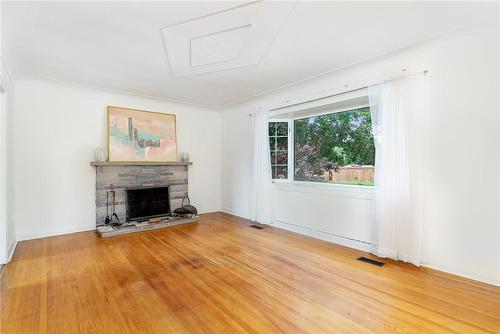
(328, 189)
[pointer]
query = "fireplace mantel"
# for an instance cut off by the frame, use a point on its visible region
(140, 163)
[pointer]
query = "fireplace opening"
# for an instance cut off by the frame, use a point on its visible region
(146, 203)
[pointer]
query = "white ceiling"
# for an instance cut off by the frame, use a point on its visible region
(213, 53)
(224, 40)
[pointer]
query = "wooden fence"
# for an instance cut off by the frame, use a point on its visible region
(351, 173)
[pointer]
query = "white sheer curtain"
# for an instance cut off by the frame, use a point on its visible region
(398, 108)
(262, 179)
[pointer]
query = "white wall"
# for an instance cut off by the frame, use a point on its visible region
(7, 228)
(462, 221)
(3, 180)
(3, 156)
(56, 128)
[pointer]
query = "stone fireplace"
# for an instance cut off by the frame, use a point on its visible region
(120, 176)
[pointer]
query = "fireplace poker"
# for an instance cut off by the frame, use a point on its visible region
(107, 220)
(114, 217)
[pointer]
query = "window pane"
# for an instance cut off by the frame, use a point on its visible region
(281, 158)
(273, 158)
(335, 148)
(278, 145)
(282, 129)
(282, 143)
(272, 129)
(272, 143)
(281, 172)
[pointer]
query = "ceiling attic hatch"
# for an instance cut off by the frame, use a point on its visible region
(220, 46)
(224, 40)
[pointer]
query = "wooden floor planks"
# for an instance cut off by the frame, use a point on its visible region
(220, 276)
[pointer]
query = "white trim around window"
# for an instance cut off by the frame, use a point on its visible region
(289, 184)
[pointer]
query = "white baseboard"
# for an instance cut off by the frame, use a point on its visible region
(45, 234)
(71, 229)
(10, 252)
(234, 213)
(462, 273)
(336, 239)
(210, 211)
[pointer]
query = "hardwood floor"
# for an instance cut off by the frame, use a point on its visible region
(220, 276)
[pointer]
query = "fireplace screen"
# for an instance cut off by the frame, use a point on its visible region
(145, 203)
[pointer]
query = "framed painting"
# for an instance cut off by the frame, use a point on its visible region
(138, 135)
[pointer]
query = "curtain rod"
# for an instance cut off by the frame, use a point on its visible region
(350, 91)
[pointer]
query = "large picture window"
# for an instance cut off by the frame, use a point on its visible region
(335, 148)
(332, 148)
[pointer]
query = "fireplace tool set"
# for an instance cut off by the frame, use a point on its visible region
(113, 220)
(186, 210)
